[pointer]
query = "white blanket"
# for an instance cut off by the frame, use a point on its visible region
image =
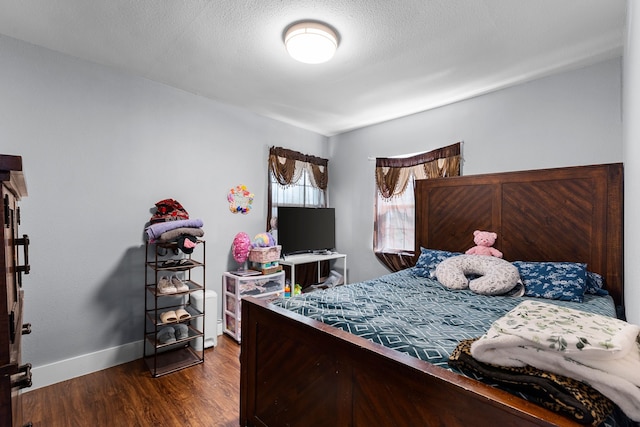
(601, 351)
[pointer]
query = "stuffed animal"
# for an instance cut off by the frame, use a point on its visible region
(484, 241)
(263, 240)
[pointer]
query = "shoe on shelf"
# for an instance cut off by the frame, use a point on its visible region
(185, 262)
(166, 335)
(181, 331)
(165, 286)
(182, 314)
(179, 284)
(169, 317)
(169, 263)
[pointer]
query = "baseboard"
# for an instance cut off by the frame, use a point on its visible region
(63, 370)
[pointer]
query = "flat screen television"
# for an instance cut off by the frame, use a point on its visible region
(306, 230)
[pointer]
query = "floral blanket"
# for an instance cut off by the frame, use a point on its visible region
(601, 351)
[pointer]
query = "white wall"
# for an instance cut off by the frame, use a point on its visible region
(568, 119)
(631, 112)
(99, 149)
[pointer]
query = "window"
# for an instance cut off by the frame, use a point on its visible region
(301, 193)
(295, 179)
(394, 227)
(395, 218)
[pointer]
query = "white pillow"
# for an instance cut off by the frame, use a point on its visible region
(497, 275)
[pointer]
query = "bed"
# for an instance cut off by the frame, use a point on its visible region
(298, 371)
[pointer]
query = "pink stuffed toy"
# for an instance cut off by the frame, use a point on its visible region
(484, 240)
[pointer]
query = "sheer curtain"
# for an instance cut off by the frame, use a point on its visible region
(394, 226)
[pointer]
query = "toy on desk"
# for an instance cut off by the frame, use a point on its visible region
(297, 289)
(287, 291)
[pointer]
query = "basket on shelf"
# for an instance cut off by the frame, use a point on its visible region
(264, 255)
(271, 270)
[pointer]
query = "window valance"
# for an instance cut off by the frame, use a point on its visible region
(287, 166)
(393, 174)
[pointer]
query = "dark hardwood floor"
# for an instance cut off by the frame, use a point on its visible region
(206, 395)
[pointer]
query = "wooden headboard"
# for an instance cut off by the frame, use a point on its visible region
(564, 214)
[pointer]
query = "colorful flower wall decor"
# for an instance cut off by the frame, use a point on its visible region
(240, 199)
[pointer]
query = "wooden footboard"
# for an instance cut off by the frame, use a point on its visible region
(296, 371)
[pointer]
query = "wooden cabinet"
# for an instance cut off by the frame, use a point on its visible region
(14, 261)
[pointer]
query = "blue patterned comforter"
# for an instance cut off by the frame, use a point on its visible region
(415, 315)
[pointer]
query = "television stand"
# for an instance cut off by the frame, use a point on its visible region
(293, 260)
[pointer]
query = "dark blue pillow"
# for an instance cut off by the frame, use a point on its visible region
(429, 260)
(564, 281)
(595, 283)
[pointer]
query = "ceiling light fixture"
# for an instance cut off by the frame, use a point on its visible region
(311, 42)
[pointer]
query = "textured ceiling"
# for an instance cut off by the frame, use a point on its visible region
(395, 57)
